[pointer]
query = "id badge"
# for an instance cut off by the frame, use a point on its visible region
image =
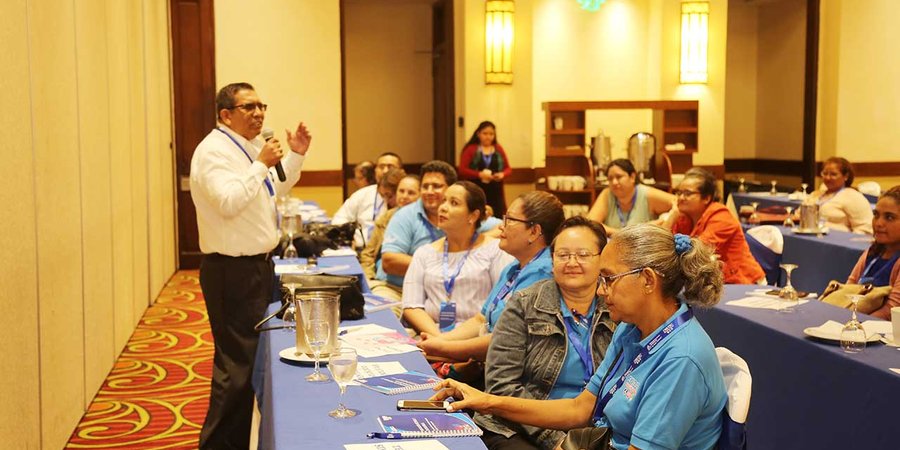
(447, 317)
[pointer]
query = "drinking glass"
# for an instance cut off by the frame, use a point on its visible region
(742, 188)
(291, 223)
(754, 217)
(290, 313)
(803, 187)
(774, 191)
(788, 293)
(317, 332)
(820, 232)
(853, 336)
(789, 220)
(342, 365)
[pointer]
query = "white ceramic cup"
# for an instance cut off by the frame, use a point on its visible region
(895, 322)
(553, 183)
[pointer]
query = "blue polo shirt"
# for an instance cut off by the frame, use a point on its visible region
(410, 229)
(674, 400)
(570, 381)
(541, 268)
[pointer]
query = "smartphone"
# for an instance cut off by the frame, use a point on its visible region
(422, 405)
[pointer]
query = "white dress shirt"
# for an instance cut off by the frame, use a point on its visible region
(363, 206)
(236, 213)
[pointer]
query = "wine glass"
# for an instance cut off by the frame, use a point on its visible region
(291, 224)
(788, 293)
(742, 188)
(789, 220)
(853, 336)
(754, 217)
(342, 365)
(803, 187)
(774, 191)
(820, 231)
(290, 313)
(317, 332)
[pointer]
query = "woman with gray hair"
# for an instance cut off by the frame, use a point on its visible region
(664, 388)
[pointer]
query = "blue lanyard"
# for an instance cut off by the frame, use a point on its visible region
(430, 228)
(820, 202)
(487, 159)
(623, 218)
(506, 290)
(582, 348)
(641, 357)
(268, 184)
(450, 281)
(377, 208)
(867, 278)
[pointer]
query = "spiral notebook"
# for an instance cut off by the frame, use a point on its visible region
(424, 425)
(400, 383)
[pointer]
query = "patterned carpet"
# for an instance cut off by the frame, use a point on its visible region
(157, 393)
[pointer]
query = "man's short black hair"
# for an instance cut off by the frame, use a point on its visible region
(439, 167)
(225, 97)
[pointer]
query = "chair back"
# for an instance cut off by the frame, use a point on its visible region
(766, 245)
(869, 189)
(738, 386)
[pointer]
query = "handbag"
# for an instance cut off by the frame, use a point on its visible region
(351, 298)
(589, 438)
(873, 296)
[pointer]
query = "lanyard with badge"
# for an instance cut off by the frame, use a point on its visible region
(582, 348)
(644, 354)
(447, 317)
(623, 218)
(505, 291)
(268, 183)
(888, 266)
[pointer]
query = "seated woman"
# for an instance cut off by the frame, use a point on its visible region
(697, 214)
(551, 337)
(627, 202)
(526, 232)
(448, 280)
(843, 207)
(674, 396)
(398, 189)
(878, 265)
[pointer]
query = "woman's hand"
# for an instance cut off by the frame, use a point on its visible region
(466, 397)
(485, 176)
(497, 176)
(432, 345)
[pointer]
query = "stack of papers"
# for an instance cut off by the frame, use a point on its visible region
(765, 302)
(373, 340)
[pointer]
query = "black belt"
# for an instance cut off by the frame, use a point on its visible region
(258, 257)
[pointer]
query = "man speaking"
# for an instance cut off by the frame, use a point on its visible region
(234, 188)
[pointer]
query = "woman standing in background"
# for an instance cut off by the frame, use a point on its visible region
(483, 161)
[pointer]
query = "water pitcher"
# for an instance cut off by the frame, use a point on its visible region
(324, 305)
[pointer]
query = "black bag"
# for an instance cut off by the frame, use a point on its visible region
(589, 438)
(351, 298)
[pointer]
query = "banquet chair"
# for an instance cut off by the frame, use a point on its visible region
(869, 189)
(766, 245)
(738, 384)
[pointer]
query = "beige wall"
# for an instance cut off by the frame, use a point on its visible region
(740, 80)
(859, 87)
(88, 230)
(293, 58)
(388, 82)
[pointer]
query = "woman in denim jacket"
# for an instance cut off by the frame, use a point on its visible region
(551, 337)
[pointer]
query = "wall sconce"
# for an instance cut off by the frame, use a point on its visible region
(591, 5)
(694, 42)
(499, 27)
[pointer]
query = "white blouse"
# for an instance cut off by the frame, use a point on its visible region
(848, 210)
(423, 286)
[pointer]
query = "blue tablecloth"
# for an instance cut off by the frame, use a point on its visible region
(352, 268)
(808, 394)
(765, 199)
(294, 412)
(821, 259)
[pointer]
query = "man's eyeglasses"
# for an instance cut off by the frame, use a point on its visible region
(250, 107)
(684, 192)
(507, 219)
(581, 256)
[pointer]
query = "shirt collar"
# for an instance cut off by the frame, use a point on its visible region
(681, 308)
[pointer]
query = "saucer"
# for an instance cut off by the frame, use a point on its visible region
(290, 355)
(797, 230)
(818, 333)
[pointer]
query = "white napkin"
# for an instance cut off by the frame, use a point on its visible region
(877, 326)
(343, 251)
(764, 302)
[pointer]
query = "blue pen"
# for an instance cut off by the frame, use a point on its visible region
(391, 436)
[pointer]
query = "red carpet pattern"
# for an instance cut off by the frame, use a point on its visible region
(157, 393)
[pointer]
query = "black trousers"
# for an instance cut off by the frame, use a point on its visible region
(236, 291)
(494, 441)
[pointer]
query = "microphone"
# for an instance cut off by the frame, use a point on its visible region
(267, 134)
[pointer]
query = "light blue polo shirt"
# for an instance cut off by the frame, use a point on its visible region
(674, 400)
(410, 229)
(539, 269)
(570, 381)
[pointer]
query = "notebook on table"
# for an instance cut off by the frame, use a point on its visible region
(426, 425)
(400, 383)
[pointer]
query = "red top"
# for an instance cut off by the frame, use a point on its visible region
(465, 160)
(717, 227)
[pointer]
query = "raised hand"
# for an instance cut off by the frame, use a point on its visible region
(299, 140)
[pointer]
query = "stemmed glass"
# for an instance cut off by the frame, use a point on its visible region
(820, 231)
(789, 220)
(290, 224)
(290, 313)
(853, 336)
(803, 187)
(317, 332)
(788, 293)
(742, 188)
(774, 191)
(754, 217)
(342, 365)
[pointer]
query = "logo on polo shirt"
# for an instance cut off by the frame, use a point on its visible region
(630, 388)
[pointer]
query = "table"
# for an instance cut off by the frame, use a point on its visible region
(821, 259)
(352, 268)
(766, 199)
(808, 394)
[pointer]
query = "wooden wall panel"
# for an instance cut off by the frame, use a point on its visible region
(19, 383)
(120, 166)
(59, 230)
(96, 210)
(138, 125)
